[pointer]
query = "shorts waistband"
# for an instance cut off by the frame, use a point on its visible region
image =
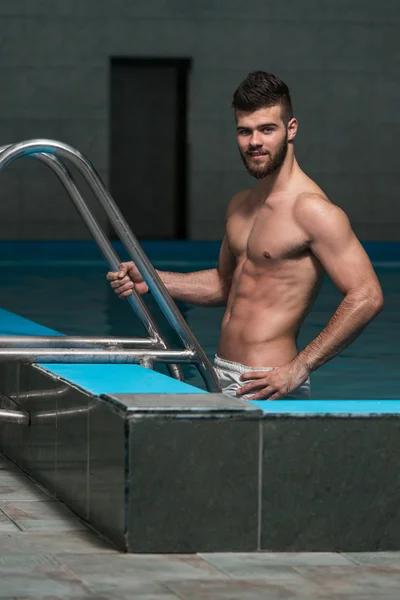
(222, 363)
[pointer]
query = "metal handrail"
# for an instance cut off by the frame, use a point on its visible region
(73, 341)
(156, 338)
(11, 412)
(48, 148)
(94, 355)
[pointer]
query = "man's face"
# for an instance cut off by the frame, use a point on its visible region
(262, 139)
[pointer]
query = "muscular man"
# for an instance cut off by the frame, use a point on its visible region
(281, 236)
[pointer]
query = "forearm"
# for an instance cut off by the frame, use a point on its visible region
(205, 288)
(352, 315)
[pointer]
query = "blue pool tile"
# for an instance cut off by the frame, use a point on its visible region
(121, 379)
(328, 407)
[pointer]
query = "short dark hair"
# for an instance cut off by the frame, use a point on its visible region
(261, 90)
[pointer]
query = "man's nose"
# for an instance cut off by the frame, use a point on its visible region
(255, 139)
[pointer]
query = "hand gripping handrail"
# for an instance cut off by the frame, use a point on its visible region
(46, 150)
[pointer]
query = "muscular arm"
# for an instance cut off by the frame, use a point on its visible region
(205, 288)
(335, 245)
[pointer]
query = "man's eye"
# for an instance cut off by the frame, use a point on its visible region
(267, 130)
(244, 132)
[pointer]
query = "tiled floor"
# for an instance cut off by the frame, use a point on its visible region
(46, 552)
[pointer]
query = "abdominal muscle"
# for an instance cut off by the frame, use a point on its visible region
(264, 312)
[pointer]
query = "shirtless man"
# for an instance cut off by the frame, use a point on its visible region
(281, 236)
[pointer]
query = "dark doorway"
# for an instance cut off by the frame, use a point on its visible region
(148, 144)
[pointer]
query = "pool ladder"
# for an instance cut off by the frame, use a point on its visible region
(76, 349)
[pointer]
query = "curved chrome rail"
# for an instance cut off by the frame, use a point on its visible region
(47, 150)
(157, 339)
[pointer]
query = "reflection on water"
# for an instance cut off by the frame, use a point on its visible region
(78, 301)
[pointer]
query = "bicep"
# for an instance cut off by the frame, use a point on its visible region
(339, 251)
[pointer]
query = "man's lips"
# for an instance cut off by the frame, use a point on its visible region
(257, 154)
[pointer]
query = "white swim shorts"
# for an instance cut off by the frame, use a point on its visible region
(229, 373)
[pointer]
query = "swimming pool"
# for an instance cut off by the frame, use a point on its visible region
(63, 286)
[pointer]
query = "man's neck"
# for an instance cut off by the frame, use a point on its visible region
(278, 181)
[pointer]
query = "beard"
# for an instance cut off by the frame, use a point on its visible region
(274, 163)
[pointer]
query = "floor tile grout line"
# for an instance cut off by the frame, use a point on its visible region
(21, 527)
(67, 570)
(220, 569)
(352, 560)
(11, 519)
(260, 482)
(176, 594)
(320, 588)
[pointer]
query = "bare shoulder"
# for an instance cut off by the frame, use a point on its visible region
(316, 214)
(236, 201)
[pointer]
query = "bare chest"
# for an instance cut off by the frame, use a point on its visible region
(266, 238)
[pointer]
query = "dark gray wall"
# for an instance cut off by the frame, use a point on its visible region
(340, 59)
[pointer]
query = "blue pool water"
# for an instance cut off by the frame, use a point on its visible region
(62, 286)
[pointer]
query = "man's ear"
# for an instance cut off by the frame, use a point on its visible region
(292, 128)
